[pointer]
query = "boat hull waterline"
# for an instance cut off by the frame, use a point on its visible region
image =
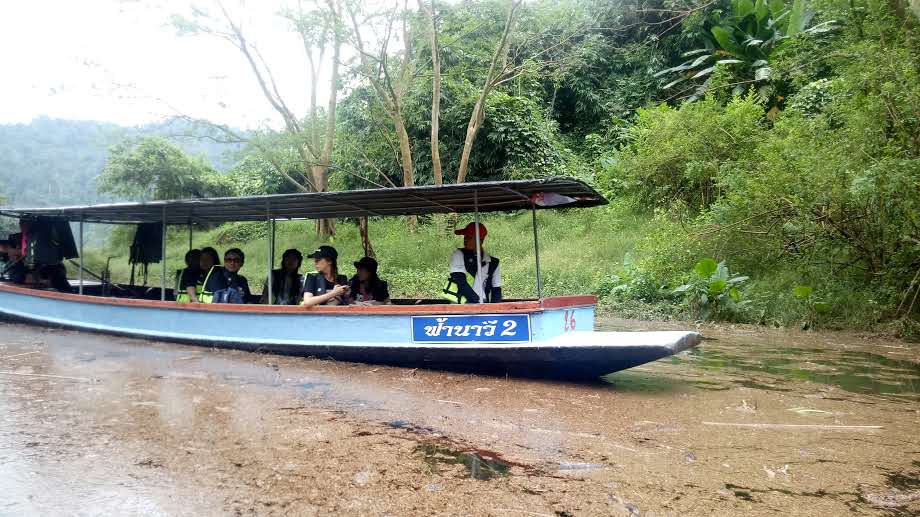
(552, 338)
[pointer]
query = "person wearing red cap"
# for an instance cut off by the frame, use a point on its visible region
(469, 283)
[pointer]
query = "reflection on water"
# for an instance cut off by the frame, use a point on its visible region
(853, 371)
(481, 465)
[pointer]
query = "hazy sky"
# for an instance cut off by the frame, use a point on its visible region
(121, 61)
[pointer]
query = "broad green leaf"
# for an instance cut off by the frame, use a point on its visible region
(744, 8)
(705, 71)
(821, 307)
(725, 39)
(672, 83)
(628, 262)
(722, 271)
(763, 73)
(734, 294)
(738, 280)
(802, 292)
(753, 42)
(796, 18)
(759, 62)
(776, 7)
(699, 60)
(716, 287)
(682, 289)
(728, 61)
(822, 27)
(696, 52)
(761, 9)
(706, 268)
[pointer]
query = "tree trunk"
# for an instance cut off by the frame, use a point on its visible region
(497, 69)
(435, 100)
(325, 228)
(365, 238)
(405, 152)
(471, 129)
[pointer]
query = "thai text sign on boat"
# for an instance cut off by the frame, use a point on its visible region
(485, 328)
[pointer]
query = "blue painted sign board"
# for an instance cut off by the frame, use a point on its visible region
(479, 328)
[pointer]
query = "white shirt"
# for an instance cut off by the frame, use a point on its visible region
(457, 265)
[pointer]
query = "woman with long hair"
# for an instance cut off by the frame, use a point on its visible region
(326, 286)
(366, 287)
(286, 280)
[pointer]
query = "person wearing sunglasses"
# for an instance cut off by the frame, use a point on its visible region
(226, 284)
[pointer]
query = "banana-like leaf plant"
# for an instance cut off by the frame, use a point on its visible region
(743, 37)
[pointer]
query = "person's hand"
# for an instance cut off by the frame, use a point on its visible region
(339, 290)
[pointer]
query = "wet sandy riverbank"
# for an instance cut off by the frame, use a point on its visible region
(753, 422)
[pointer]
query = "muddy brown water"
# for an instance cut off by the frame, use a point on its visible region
(753, 422)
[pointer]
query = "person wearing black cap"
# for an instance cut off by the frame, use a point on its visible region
(326, 286)
(286, 281)
(366, 287)
(469, 283)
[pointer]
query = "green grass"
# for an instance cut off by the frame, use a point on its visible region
(581, 252)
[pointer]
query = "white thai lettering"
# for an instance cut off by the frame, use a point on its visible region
(435, 331)
(490, 327)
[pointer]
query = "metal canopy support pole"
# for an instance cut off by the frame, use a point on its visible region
(536, 251)
(190, 235)
(478, 245)
(81, 255)
(163, 260)
(271, 251)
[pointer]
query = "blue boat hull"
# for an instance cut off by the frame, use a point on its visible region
(559, 340)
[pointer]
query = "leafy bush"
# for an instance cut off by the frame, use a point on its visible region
(713, 293)
(676, 155)
(240, 232)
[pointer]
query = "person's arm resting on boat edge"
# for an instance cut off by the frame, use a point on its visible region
(192, 294)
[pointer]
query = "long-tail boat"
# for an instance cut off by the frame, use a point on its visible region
(546, 336)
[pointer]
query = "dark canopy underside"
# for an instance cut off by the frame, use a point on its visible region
(492, 197)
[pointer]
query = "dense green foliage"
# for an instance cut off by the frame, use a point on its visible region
(152, 168)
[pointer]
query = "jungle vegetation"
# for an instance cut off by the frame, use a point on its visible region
(778, 140)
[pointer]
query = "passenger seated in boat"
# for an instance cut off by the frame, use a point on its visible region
(225, 284)
(38, 249)
(464, 286)
(366, 287)
(15, 269)
(326, 286)
(189, 281)
(286, 281)
(209, 259)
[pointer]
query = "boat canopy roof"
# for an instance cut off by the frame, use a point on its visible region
(492, 196)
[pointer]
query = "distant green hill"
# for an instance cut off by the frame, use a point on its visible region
(56, 162)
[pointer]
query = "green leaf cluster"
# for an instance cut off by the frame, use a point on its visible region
(152, 168)
(713, 293)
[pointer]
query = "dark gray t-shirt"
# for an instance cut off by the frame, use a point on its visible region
(316, 284)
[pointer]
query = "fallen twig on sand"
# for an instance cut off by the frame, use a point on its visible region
(525, 512)
(80, 379)
(795, 426)
(449, 402)
(20, 355)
